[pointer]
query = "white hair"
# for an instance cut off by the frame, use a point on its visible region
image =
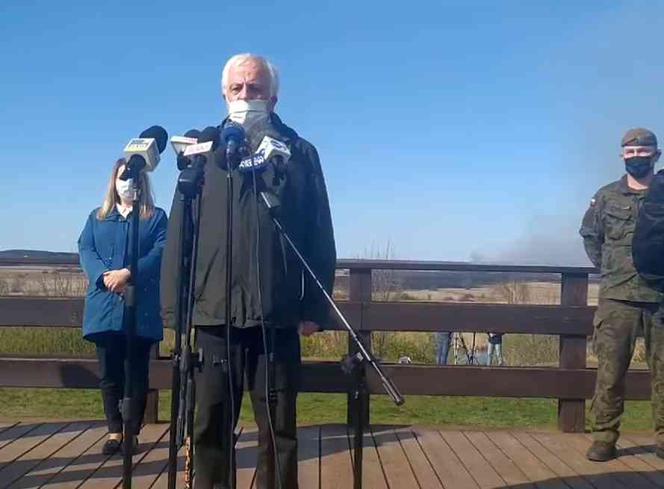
(239, 59)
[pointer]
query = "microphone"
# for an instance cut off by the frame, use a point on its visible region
(208, 141)
(270, 149)
(273, 148)
(193, 133)
(142, 153)
(235, 139)
(181, 143)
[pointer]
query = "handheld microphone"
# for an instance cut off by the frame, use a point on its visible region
(252, 163)
(193, 133)
(208, 141)
(273, 148)
(181, 143)
(142, 153)
(269, 149)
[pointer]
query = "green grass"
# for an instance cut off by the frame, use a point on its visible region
(519, 350)
(44, 341)
(470, 412)
(62, 404)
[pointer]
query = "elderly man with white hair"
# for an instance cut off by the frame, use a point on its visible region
(269, 286)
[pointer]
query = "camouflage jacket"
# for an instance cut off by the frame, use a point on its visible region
(607, 230)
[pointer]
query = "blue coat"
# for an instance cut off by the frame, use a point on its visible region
(103, 246)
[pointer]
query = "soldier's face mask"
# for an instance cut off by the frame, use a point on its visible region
(639, 166)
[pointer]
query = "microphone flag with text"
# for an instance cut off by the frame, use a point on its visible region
(142, 153)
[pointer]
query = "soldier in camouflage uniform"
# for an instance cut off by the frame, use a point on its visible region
(628, 306)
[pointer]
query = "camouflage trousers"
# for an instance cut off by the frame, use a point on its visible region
(617, 325)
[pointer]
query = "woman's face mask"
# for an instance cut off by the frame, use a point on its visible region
(124, 189)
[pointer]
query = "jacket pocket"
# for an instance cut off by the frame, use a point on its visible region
(618, 221)
(598, 317)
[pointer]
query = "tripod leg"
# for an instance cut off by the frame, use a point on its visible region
(188, 463)
(189, 445)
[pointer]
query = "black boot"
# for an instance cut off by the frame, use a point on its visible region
(601, 451)
(112, 446)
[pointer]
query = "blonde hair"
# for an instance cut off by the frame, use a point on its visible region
(112, 198)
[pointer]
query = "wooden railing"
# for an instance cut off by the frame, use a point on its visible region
(571, 382)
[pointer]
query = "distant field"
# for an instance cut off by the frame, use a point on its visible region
(388, 286)
(40, 281)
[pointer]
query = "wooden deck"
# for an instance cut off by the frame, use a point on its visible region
(67, 455)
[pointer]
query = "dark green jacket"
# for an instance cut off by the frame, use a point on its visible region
(607, 230)
(288, 294)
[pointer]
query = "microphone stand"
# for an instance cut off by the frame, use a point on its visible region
(185, 360)
(269, 347)
(233, 158)
(132, 171)
(354, 363)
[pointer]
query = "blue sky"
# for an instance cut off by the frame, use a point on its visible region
(451, 130)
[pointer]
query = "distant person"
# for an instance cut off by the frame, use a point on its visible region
(443, 340)
(628, 305)
(495, 349)
(105, 254)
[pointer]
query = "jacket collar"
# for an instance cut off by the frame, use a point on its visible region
(624, 188)
(115, 215)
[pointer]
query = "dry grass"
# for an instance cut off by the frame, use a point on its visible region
(504, 293)
(387, 286)
(52, 282)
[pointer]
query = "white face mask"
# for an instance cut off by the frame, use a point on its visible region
(123, 188)
(248, 112)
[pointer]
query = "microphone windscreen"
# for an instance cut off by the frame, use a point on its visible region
(193, 133)
(157, 133)
(233, 132)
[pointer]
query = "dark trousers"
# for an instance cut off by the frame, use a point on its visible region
(212, 452)
(111, 353)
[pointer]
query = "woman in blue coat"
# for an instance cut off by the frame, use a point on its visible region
(104, 252)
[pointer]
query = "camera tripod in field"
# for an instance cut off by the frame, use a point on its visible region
(462, 354)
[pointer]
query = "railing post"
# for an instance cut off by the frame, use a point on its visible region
(359, 291)
(152, 403)
(572, 412)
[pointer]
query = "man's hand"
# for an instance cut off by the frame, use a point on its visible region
(307, 328)
(116, 280)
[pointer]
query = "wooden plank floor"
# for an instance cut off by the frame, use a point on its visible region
(68, 455)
